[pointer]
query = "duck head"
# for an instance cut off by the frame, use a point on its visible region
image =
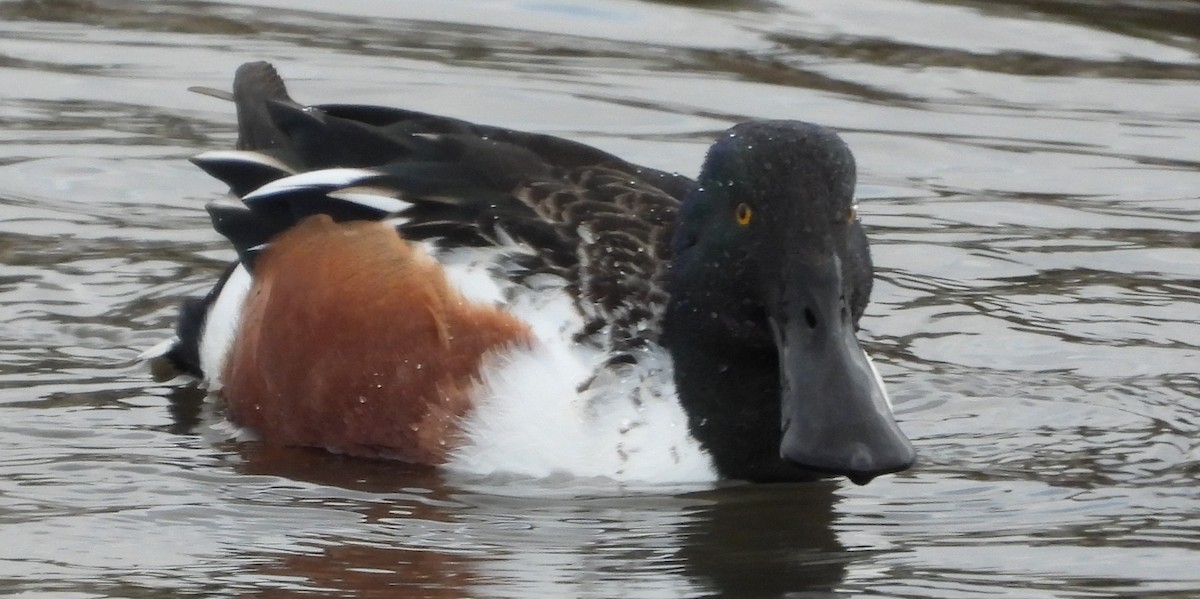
(770, 273)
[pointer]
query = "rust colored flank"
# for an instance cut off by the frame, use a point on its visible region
(351, 339)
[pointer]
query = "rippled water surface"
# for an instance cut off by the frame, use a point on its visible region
(1029, 175)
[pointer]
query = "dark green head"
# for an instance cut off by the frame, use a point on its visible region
(770, 273)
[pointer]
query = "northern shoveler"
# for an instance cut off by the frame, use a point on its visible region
(423, 288)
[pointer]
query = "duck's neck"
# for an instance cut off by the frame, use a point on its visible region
(730, 392)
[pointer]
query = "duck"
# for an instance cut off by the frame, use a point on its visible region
(504, 303)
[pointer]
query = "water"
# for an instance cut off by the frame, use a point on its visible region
(1029, 176)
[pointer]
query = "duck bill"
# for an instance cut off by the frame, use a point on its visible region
(836, 416)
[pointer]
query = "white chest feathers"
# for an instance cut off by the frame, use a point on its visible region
(553, 409)
(540, 413)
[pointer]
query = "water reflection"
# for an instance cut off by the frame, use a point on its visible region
(424, 537)
(775, 540)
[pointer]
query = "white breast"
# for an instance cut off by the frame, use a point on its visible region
(553, 410)
(532, 419)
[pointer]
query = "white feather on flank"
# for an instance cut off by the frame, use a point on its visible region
(242, 156)
(469, 271)
(364, 196)
(333, 178)
(540, 413)
(532, 419)
(221, 324)
(539, 301)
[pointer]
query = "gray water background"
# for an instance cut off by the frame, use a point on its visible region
(1029, 176)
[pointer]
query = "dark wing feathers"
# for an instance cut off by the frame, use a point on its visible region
(256, 88)
(244, 229)
(243, 172)
(598, 221)
(313, 140)
(619, 228)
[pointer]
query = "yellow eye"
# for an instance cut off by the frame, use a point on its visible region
(743, 214)
(852, 213)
